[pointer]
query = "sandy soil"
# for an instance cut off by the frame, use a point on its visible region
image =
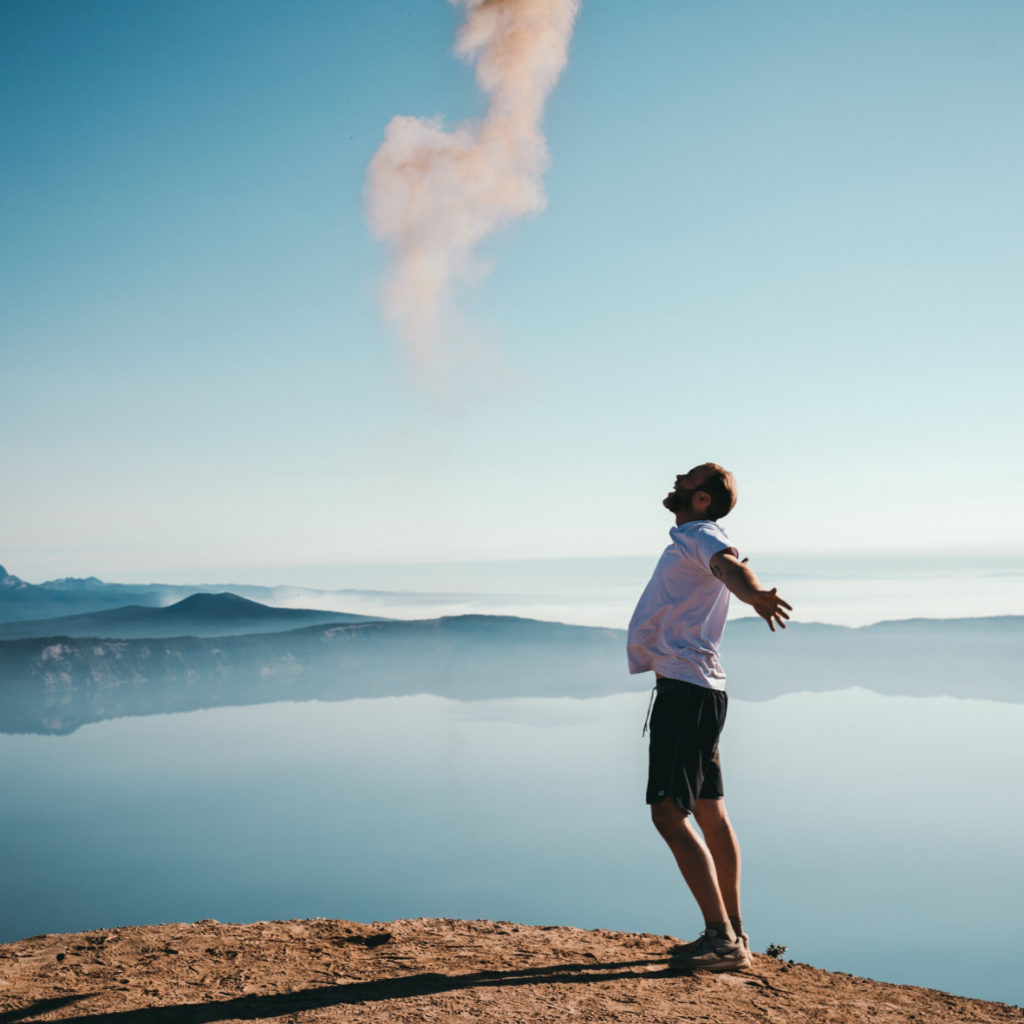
(426, 970)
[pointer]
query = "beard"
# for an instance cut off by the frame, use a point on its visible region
(680, 501)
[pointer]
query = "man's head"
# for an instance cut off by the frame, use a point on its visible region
(706, 492)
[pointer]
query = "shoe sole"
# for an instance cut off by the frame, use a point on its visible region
(683, 948)
(714, 966)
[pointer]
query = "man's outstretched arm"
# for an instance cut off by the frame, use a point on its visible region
(742, 582)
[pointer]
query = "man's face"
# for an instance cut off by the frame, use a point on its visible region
(680, 498)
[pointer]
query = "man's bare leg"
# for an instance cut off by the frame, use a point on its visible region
(693, 857)
(724, 848)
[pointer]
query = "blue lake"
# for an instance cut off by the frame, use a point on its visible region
(882, 835)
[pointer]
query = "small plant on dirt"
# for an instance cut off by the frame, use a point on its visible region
(775, 950)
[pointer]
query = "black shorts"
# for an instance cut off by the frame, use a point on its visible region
(686, 722)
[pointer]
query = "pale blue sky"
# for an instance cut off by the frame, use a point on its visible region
(785, 236)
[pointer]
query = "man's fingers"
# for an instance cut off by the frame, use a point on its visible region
(774, 612)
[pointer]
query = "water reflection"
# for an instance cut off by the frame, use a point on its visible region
(881, 834)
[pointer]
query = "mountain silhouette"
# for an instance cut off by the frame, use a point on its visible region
(20, 600)
(200, 615)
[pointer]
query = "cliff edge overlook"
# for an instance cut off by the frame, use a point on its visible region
(436, 970)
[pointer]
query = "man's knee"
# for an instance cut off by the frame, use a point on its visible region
(710, 809)
(711, 814)
(667, 815)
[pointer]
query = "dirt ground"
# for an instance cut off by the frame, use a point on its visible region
(426, 970)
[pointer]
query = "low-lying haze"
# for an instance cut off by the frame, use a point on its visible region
(846, 589)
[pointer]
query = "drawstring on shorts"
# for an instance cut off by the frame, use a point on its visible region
(650, 705)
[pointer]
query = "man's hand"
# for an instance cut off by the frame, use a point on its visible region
(742, 582)
(770, 607)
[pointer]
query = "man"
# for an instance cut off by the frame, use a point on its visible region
(675, 632)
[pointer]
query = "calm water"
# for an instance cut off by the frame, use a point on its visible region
(882, 835)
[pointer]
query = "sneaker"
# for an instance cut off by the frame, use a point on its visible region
(711, 953)
(683, 948)
(686, 947)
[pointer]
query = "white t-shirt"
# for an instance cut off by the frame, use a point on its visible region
(679, 621)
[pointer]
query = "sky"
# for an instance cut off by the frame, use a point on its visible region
(784, 237)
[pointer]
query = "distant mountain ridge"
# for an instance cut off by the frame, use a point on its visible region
(77, 584)
(56, 684)
(23, 602)
(196, 615)
(20, 600)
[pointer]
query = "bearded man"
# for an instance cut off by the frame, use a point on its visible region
(675, 632)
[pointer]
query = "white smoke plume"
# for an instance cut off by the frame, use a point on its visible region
(434, 194)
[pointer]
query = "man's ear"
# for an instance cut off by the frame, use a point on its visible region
(702, 498)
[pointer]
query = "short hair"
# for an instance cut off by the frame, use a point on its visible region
(720, 484)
